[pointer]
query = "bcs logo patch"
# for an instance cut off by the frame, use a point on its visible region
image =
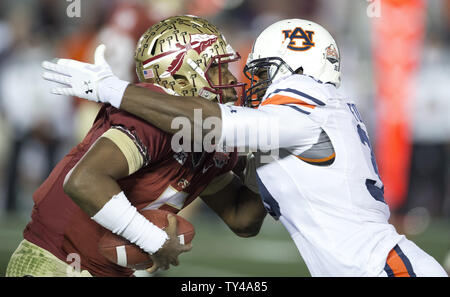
(331, 54)
(299, 33)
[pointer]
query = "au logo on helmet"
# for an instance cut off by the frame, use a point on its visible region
(299, 33)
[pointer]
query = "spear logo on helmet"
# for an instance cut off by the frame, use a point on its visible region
(198, 42)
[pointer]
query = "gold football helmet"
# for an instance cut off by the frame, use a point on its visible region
(177, 53)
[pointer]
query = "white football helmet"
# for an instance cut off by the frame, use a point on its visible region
(286, 47)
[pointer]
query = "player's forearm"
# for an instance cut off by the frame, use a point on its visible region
(235, 126)
(240, 208)
(249, 212)
(106, 204)
(161, 109)
(92, 184)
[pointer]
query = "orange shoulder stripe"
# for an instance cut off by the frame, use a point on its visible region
(282, 99)
(396, 264)
(318, 160)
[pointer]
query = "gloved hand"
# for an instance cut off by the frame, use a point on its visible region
(94, 82)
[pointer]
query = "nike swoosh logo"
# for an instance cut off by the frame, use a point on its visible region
(206, 168)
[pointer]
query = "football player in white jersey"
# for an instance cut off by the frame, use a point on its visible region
(322, 181)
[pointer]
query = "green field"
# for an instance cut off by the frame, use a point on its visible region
(217, 252)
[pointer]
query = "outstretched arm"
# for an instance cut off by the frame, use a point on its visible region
(96, 82)
(161, 109)
(233, 126)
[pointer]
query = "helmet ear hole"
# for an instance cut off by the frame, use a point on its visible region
(181, 80)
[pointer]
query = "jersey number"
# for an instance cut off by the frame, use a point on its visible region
(270, 204)
(171, 197)
(375, 191)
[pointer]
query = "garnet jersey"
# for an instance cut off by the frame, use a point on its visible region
(168, 180)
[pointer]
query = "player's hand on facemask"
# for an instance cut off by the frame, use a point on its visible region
(94, 82)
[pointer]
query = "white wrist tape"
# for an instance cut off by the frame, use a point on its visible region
(122, 218)
(111, 89)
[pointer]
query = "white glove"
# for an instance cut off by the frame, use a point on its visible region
(94, 82)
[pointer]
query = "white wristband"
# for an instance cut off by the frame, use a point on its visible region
(111, 89)
(122, 218)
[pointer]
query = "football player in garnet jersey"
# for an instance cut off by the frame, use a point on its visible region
(124, 165)
(323, 183)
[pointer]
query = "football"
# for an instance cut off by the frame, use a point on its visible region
(126, 254)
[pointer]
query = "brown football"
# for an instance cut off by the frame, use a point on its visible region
(126, 254)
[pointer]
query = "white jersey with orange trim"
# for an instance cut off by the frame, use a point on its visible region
(335, 213)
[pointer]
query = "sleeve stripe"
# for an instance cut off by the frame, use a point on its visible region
(297, 92)
(282, 99)
(298, 109)
(138, 143)
(128, 147)
(332, 156)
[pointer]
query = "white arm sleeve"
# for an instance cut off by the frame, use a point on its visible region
(267, 128)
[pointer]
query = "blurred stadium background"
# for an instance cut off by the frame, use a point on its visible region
(395, 65)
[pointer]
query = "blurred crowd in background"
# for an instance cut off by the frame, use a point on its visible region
(37, 129)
